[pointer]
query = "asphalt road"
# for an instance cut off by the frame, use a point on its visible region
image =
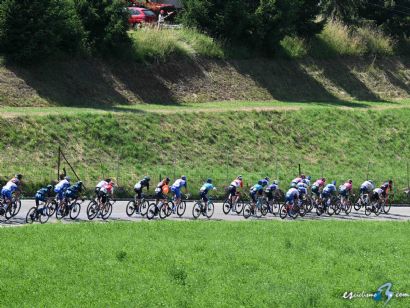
(118, 214)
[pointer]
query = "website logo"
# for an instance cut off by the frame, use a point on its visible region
(383, 294)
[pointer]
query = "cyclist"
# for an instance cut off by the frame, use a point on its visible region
(61, 187)
(328, 191)
(140, 185)
(176, 190)
(101, 184)
(12, 187)
(256, 191)
(292, 195)
(345, 190)
(367, 187)
(203, 192)
(73, 191)
(42, 194)
(317, 186)
(307, 180)
(302, 188)
(106, 191)
(298, 179)
(271, 189)
(265, 181)
(233, 187)
(381, 192)
(162, 190)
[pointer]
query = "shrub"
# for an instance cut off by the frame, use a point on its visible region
(105, 23)
(294, 47)
(33, 29)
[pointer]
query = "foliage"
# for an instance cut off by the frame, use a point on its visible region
(31, 30)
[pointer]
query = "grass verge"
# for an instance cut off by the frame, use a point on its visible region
(192, 264)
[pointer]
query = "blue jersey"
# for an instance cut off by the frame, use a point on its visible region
(292, 194)
(264, 182)
(256, 188)
(272, 187)
(43, 192)
(206, 188)
(329, 188)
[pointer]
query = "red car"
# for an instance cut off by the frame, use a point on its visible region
(140, 15)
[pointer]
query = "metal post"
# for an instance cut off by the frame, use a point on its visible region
(300, 172)
(408, 179)
(58, 163)
(118, 170)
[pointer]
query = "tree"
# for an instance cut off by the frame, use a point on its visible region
(31, 30)
(105, 23)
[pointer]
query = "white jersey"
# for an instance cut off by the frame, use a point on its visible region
(236, 183)
(378, 191)
(368, 185)
(10, 186)
(62, 184)
(101, 184)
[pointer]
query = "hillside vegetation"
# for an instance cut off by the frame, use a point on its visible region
(338, 143)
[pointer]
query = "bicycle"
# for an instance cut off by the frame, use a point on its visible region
(163, 209)
(95, 209)
(137, 206)
(272, 207)
(68, 207)
(344, 204)
(362, 201)
(51, 205)
(374, 207)
(326, 205)
(236, 207)
(37, 214)
(181, 207)
(251, 208)
(200, 208)
(9, 211)
(293, 210)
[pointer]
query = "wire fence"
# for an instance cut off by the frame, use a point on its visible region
(125, 172)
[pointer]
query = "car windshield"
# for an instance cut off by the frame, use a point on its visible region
(149, 13)
(134, 12)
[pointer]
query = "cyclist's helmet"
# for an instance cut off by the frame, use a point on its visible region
(239, 177)
(309, 177)
(334, 183)
(260, 183)
(267, 178)
(68, 178)
(209, 181)
(79, 183)
(49, 187)
(276, 182)
(350, 181)
(19, 176)
(371, 182)
(183, 177)
(293, 185)
(303, 176)
(108, 180)
(147, 178)
(167, 179)
(323, 179)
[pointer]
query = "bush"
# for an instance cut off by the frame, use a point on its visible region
(105, 23)
(293, 47)
(376, 41)
(33, 29)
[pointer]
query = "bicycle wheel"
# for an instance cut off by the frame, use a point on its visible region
(309, 205)
(181, 208)
(265, 208)
(379, 209)
(331, 208)
(348, 207)
(292, 212)
(92, 210)
(75, 210)
(163, 211)
(61, 212)
(51, 208)
(239, 207)
(368, 210)
(144, 207)
(106, 211)
(357, 205)
(338, 207)
(16, 207)
(130, 209)
(44, 215)
(31, 215)
(319, 210)
(247, 211)
(210, 209)
(386, 207)
(283, 212)
(226, 206)
(151, 211)
(196, 210)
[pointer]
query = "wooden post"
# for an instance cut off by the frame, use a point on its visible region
(58, 163)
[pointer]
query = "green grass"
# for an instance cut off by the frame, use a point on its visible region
(150, 44)
(202, 264)
(333, 142)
